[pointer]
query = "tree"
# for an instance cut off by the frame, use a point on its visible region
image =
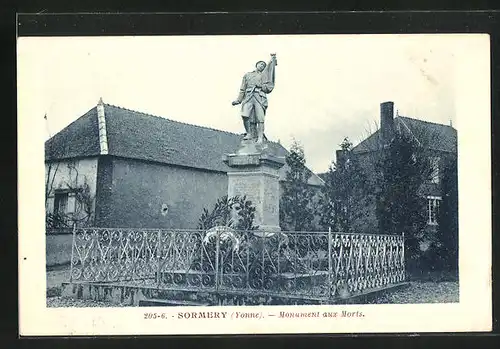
(447, 249)
(51, 172)
(51, 167)
(84, 213)
(296, 205)
(401, 169)
(344, 192)
(78, 186)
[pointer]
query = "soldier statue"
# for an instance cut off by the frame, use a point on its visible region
(253, 98)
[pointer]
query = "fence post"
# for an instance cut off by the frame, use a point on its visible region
(279, 253)
(72, 254)
(158, 258)
(247, 239)
(329, 262)
(263, 249)
(217, 251)
(403, 255)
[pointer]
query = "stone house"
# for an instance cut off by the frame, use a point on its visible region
(114, 167)
(439, 142)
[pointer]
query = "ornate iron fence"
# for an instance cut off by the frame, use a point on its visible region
(309, 264)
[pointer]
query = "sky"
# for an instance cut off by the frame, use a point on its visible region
(327, 86)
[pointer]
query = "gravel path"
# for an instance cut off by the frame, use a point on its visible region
(422, 292)
(56, 277)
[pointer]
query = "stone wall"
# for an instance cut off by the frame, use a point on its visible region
(150, 195)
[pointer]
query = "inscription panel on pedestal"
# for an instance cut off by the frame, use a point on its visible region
(249, 186)
(271, 200)
(261, 186)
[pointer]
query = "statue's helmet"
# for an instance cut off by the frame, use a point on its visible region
(256, 64)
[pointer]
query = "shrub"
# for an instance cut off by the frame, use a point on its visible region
(236, 212)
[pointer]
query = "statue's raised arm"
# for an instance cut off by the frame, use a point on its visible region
(253, 99)
(269, 74)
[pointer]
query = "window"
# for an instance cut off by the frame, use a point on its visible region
(433, 203)
(434, 169)
(164, 209)
(60, 203)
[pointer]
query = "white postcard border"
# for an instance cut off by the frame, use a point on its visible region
(473, 313)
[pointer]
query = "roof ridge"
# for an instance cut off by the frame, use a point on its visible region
(171, 120)
(411, 132)
(425, 121)
(182, 123)
(368, 137)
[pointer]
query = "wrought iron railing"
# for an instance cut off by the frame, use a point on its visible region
(310, 264)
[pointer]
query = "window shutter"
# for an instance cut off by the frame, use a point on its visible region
(435, 169)
(71, 203)
(50, 204)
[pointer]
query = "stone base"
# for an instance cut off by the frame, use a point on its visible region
(137, 295)
(269, 228)
(249, 146)
(255, 175)
(254, 160)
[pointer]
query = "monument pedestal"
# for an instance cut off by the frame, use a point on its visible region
(254, 173)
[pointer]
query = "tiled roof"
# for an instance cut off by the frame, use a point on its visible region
(80, 138)
(429, 135)
(432, 135)
(141, 136)
(369, 144)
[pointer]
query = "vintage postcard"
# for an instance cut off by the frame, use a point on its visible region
(254, 184)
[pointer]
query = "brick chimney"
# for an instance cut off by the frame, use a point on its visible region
(386, 122)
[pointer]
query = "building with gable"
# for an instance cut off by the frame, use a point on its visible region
(115, 167)
(439, 142)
